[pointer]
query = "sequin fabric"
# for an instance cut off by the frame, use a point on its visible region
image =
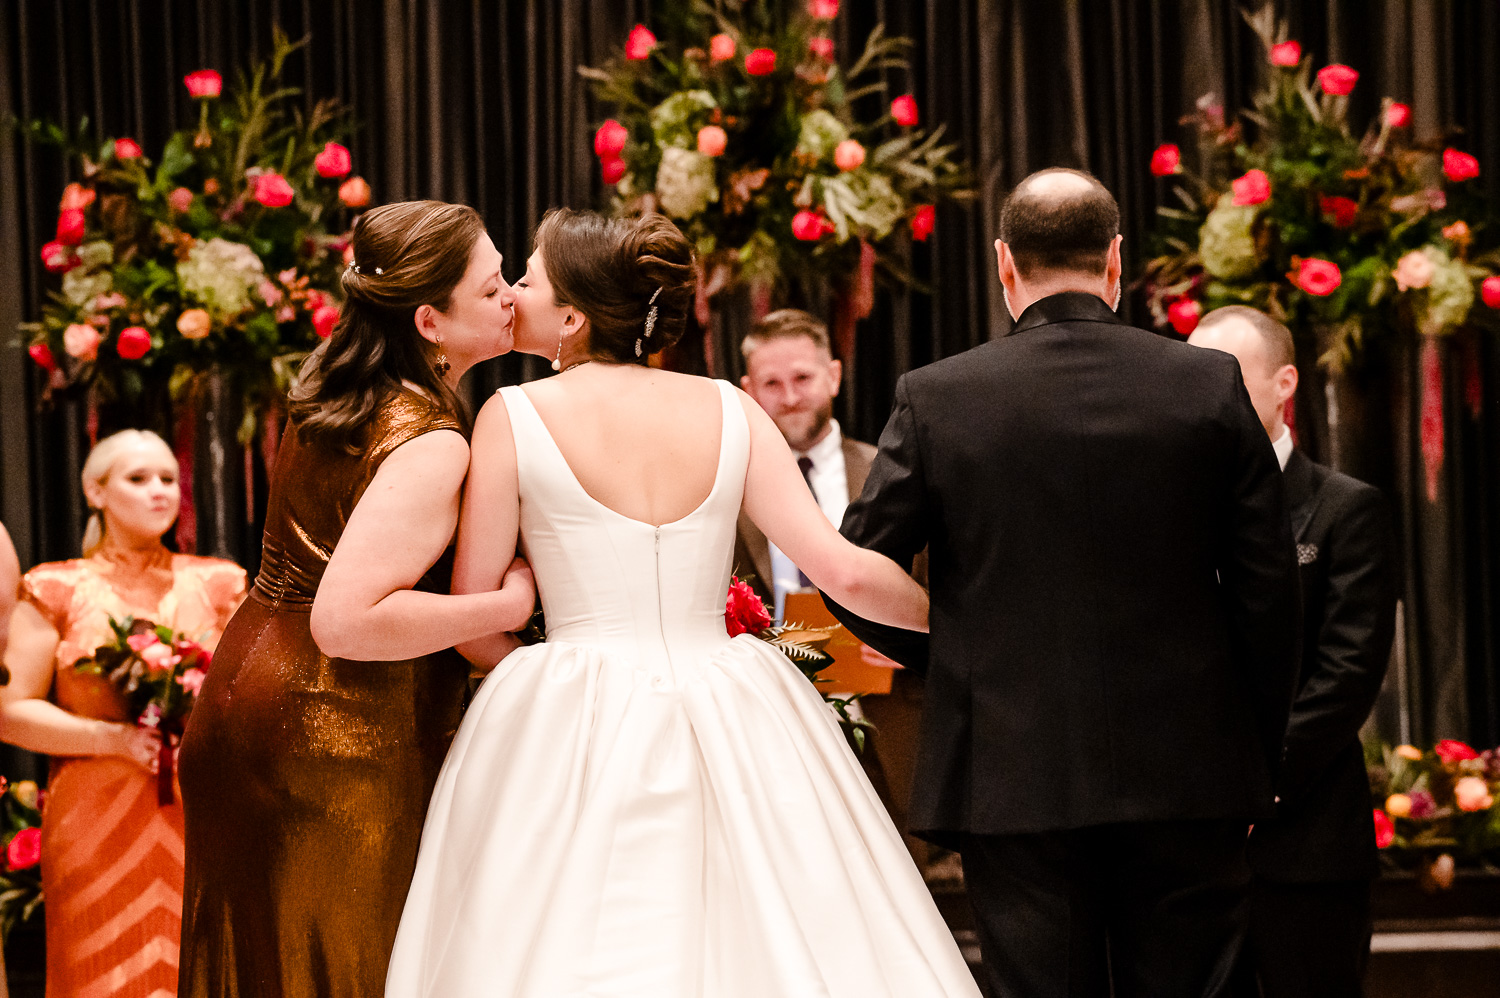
(305, 778)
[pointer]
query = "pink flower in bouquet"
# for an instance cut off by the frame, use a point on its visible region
(24, 850)
(1422, 804)
(823, 10)
(1451, 750)
(1385, 832)
(59, 259)
(1489, 290)
(1286, 54)
(192, 680)
(332, 162)
(1337, 79)
(286, 313)
(712, 140)
(140, 642)
(1184, 314)
(761, 62)
(610, 139)
(1397, 115)
(42, 354)
(324, 319)
(1166, 160)
(923, 221)
(269, 292)
(195, 324)
(354, 192)
(821, 47)
(204, 83)
(272, 190)
(70, 227)
(180, 200)
(1253, 188)
(1344, 210)
(112, 300)
(809, 226)
(722, 47)
(612, 169)
(1414, 270)
(849, 155)
(76, 197)
(1430, 199)
(1459, 166)
(744, 613)
(127, 149)
(640, 43)
(904, 111)
(134, 343)
(159, 656)
(81, 341)
(1472, 794)
(1319, 277)
(151, 716)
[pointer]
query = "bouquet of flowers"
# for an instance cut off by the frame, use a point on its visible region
(20, 823)
(1438, 806)
(743, 128)
(159, 672)
(746, 613)
(223, 252)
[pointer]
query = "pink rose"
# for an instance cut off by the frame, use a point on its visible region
(1459, 166)
(744, 613)
(159, 656)
(332, 162)
(1286, 54)
(195, 324)
(712, 140)
(640, 43)
(821, 47)
(1489, 290)
(70, 227)
(1253, 188)
(1337, 79)
(761, 62)
(1413, 270)
(127, 149)
(140, 642)
(1184, 314)
(721, 47)
(923, 220)
(1397, 115)
(848, 155)
(1385, 832)
(1472, 794)
(324, 319)
(1319, 277)
(1166, 160)
(610, 139)
(24, 850)
(81, 341)
(204, 83)
(823, 10)
(76, 197)
(134, 343)
(612, 169)
(904, 110)
(272, 190)
(354, 192)
(180, 200)
(192, 680)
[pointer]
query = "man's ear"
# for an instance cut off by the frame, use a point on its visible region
(836, 372)
(1286, 381)
(745, 384)
(1114, 268)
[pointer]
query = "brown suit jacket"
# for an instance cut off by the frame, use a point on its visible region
(752, 552)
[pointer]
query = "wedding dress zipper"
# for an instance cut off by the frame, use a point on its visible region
(661, 623)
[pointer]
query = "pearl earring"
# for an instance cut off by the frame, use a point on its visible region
(557, 361)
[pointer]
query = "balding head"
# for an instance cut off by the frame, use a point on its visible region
(1059, 220)
(1266, 354)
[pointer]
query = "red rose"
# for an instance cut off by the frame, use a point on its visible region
(612, 168)
(354, 192)
(42, 354)
(127, 149)
(1337, 79)
(70, 227)
(640, 43)
(25, 849)
(1343, 210)
(721, 47)
(134, 343)
(821, 47)
(1385, 832)
(1166, 160)
(272, 190)
(1253, 188)
(610, 139)
(1397, 115)
(761, 62)
(1490, 291)
(76, 196)
(1459, 166)
(1184, 314)
(809, 226)
(204, 83)
(904, 110)
(1450, 750)
(324, 318)
(1319, 277)
(823, 10)
(58, 259)
(744, 613)
(332, 162)
(922, 222)
(1286, 54)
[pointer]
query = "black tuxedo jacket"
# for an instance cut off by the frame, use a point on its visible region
(1346, 546)
(1114, 586)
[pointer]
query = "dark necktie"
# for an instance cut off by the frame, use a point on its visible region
(805, 464)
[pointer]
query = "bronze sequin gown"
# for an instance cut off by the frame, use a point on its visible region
(305, 779)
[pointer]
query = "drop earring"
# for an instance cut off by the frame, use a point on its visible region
(557, 361)
(442, 366)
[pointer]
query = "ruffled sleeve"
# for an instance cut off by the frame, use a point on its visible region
(49, 588)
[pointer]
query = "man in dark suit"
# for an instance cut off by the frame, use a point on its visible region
(1113, 627)
(1313, 862)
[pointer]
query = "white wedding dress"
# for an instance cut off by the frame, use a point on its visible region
(645, 807)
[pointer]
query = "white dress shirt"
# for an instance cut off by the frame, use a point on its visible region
(830, 486)
(1283, 446)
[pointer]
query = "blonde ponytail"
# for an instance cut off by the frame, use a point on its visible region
(97, 468)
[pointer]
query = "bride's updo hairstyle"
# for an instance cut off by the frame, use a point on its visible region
(406, 255)
(608, 269)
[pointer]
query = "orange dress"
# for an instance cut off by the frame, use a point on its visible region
(112, 862)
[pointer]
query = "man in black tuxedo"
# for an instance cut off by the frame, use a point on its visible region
(1114, 620)
(1313, 862)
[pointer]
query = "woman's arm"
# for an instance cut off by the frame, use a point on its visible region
(489, 525)
(365, 609)
(30, 721)
(778, 501)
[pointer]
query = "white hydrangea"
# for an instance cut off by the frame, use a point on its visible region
(1225, 243)
(92, 277)
(821, 133)
(672, 119)
(685, 182)
(1450, 296)
(221, 275)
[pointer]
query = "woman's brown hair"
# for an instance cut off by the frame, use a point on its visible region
(406, 255)
(609, 269)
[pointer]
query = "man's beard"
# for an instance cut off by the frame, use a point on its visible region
(802, 428)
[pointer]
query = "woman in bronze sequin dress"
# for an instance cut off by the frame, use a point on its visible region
(315, 742)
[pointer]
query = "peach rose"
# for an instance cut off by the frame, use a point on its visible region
(1413, 270)
(194, 324)
(1472, 794)
(81, 341)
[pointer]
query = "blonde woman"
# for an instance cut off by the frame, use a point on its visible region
(112, 856)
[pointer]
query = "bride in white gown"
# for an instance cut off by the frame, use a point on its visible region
(643, 806)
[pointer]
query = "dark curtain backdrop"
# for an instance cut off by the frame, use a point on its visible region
(479, 101)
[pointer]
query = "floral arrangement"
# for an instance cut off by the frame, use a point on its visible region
(1439, 806)
(224, 252)
(159, 673)
(21, 807)
(1343, 237)
(743, 127)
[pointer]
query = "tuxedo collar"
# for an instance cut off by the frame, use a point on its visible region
(1066, 306)
(1301, 481)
